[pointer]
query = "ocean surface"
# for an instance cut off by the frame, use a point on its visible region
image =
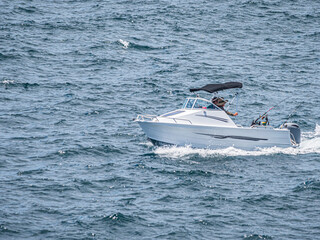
(75, 73)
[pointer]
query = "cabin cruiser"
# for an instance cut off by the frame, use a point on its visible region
(202, 124)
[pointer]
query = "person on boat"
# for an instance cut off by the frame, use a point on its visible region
(265, 120)
(220, 102)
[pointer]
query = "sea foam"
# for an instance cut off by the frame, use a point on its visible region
(124, 43)
(310, 143)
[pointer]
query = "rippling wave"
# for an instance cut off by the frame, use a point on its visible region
(73, 75)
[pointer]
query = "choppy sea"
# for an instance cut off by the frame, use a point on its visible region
(73, 75)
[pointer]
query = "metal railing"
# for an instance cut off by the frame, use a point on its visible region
(143, 117)
(175, 120)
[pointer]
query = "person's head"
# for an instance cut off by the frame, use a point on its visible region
(220, 102)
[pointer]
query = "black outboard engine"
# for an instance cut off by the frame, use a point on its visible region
(295, 132)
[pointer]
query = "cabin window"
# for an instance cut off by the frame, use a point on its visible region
(185, 103)
(190, 103)
(204, 104)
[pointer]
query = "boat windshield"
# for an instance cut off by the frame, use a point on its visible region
(198, 103)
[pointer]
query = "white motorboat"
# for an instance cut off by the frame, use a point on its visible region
(202, 124)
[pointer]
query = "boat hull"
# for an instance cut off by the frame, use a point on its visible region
(215, 137)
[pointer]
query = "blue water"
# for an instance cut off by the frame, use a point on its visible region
(73, 75)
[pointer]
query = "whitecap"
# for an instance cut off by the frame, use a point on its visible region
(147, 144)
(317, 130)
(7, 81)
(124, 43)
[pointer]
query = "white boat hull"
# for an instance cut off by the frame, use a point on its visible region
(214, 137)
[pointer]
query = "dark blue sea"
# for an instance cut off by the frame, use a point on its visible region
(75, 73)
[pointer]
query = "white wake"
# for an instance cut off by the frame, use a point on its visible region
(310, 143)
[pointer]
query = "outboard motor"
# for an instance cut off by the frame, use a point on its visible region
(295, 132)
